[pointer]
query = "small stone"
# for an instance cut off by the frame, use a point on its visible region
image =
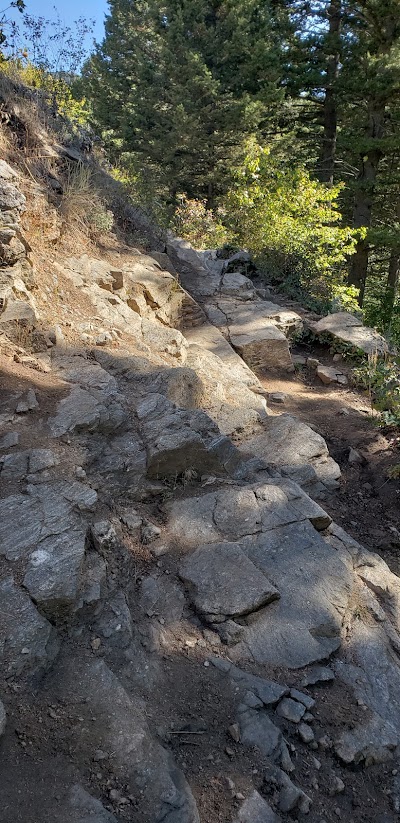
(286, 761)
(159, 551)
(329, 375)
(324, 743)
(103, 535)
(132, 521)
(234, 732)
(211, 637)
(337, 358)
(80, 473)
(103, 339)
(206, 663)
(255, 810)
(308, 717)
(305, 699)
(99, 755)
(96, 643)
(277, 397)
(318, 674)
(344, 412)
(312, 363)
(191, 642)
(230, 784)
(40, 459)
(354, 457)
(149, 532)
(316, 763)
(230, 632)
(9, 440)
(306, 733)
(291, 710)
(229, 751)
(336, 785)
(28, 403)
(59, 338)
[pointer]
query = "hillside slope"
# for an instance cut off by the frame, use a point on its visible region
(186, 634)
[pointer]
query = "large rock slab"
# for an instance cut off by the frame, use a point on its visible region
(92, 404)
(370, 668)
(257, 330)
(120, 462)
(228, 401)
(235, 284)
(45, 530)
(211, 339)
(272, 524)
(371, 742)
(18, 315)
(291, 445)
(140, 290)
(252, 333)
(349, 329)
(315, 583)
(224, 583)
(116, 723)
(28, 641)
(178, 439)
(235, 512)
(197, 275)
(82, 412)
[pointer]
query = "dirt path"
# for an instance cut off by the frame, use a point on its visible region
(367, 505)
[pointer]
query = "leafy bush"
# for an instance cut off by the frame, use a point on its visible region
(381, 379)
(100, 220)
(345, 298)
(292, 224)
(202, 227)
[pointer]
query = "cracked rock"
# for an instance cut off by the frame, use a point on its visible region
(223, 582)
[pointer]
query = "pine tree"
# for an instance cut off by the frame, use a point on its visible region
(183, 85)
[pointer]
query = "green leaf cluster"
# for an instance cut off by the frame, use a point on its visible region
(291, 223)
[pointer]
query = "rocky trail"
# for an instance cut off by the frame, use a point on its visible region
(197, 619)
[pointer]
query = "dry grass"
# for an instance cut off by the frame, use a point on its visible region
(78, 196)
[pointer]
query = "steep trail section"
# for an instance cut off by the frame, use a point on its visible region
(186, 634)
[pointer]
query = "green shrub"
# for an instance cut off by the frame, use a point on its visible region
(381, 379)
(292, 225)
(199, 225)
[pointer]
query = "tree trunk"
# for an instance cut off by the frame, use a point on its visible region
(328, 154)
(392, 285)
(364, 200)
